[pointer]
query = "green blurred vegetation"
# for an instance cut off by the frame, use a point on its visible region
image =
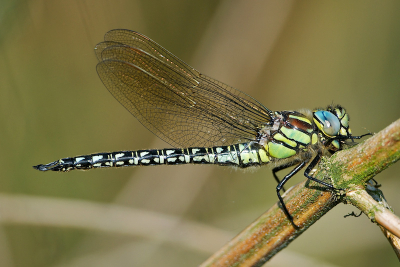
(53, 105)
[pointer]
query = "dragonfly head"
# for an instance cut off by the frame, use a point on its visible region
(333, 123)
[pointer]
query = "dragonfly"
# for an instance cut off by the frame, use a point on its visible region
(204, 120)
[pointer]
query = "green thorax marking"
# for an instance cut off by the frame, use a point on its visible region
(294, 133)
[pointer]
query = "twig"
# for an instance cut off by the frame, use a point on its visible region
(372, 202)
(374, 210)
(348, 169)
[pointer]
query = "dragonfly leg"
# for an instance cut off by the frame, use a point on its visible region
(313, 163)
(309, 168)
(280, 186)
(279, 168)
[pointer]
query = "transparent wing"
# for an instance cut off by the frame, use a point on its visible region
(176, 102)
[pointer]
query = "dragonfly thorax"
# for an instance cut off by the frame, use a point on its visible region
(290, 134)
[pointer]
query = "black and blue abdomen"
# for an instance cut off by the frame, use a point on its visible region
(241, 155)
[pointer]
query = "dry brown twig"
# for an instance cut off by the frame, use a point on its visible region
(349, 169)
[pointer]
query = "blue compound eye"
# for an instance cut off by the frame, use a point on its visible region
(327, 122)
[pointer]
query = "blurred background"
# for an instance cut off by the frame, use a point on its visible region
(286, 54)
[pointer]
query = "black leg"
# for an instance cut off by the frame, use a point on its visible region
(351, 137)
(279, 168)
(361, 136)
(353, 214)
(309, 169)
(280, 186)
(376, 183)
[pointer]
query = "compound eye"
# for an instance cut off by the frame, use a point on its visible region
(328, 122)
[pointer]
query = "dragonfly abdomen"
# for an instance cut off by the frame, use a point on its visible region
(241, 155)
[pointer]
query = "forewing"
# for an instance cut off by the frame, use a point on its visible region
(177, 103)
